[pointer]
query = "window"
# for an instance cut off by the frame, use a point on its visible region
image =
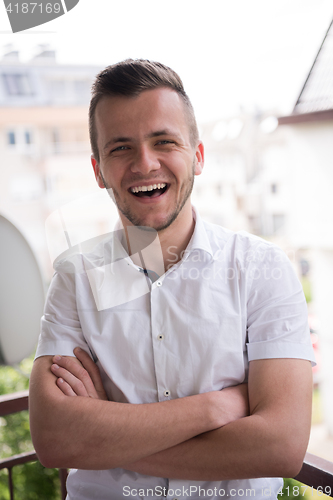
(20, 139)
(11, 139)
(17, 84)
(27, 137)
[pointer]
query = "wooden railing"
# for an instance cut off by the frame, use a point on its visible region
(316, 472)
(13, 403)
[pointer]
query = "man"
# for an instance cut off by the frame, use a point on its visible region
(213, 356)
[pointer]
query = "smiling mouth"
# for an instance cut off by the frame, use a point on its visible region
(152, 191)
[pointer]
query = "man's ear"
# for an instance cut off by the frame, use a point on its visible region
(199, 159)
(97, 172)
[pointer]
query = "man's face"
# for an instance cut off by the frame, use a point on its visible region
(146, 156)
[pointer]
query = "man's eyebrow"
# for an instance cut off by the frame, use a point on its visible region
(158, 133)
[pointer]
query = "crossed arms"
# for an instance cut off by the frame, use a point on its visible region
(211, 436)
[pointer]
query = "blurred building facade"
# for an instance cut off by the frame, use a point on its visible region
(243, 187)
(310, 225)
(274, 178)
(44, 141)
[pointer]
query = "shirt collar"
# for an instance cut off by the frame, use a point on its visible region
(119, 252)
(199, 239)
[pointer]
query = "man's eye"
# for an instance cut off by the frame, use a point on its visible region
(119, 148)
(165, 142)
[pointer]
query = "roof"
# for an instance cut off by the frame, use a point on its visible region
(315, 101)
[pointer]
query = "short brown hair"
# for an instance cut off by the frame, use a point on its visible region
(130, 78)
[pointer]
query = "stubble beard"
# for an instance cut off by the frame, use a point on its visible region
(137, 221)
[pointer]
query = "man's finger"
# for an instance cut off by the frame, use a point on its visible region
(92, 370)
(72, 371)
(65, 388)
(77, 386)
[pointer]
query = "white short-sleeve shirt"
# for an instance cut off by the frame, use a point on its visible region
(232, 298)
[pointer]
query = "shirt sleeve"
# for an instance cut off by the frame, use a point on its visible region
(60, 325)
(277, 316)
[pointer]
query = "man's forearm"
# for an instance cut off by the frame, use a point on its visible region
(86, 433)
(239, 450)
(93, 434)
(270, 442)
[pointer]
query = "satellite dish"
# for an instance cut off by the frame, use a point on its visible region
(22, 296)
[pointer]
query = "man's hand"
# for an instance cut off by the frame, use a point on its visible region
(78, 376)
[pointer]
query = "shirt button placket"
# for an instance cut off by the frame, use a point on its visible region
(158, 339)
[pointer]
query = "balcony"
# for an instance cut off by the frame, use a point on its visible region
(13, 403)
(316, 472)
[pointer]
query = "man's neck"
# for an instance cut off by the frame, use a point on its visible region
(174, 243)
(160, 251)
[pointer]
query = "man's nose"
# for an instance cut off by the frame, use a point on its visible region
(145, 161)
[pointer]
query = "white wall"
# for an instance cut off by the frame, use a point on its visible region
(309, 157)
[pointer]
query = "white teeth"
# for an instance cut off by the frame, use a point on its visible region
(137, 189)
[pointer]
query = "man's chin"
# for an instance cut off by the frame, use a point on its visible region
(157, 226)
(156, 223)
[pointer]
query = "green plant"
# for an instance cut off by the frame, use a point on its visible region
(31, 481)
(307, 289)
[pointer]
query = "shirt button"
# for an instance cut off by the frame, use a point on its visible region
(166, 393)
(160, 336)
(159, 283)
